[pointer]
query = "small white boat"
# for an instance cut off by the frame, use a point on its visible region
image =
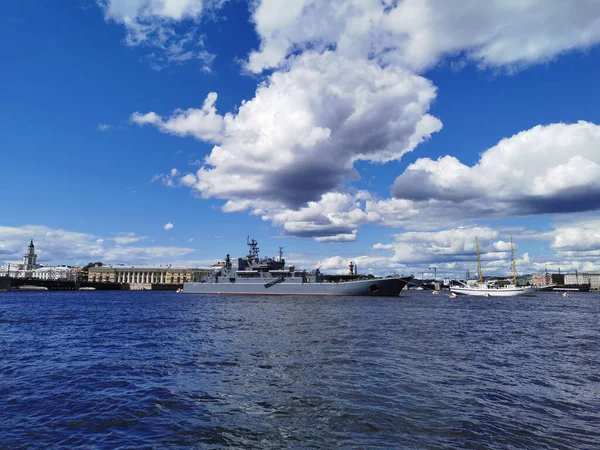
(452, 295)
(435, 292)
(565, 294)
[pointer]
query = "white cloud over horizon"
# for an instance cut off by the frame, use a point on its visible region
(125, 238)
(168, 226)
(577, 243)
(58, 246)
(451, 250)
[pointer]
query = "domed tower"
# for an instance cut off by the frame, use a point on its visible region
(30, 258)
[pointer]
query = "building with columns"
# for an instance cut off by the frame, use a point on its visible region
(146, 274)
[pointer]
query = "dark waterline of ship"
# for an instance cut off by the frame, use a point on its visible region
(155, 370)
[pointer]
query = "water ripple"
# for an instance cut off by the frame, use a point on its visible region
(159, 370)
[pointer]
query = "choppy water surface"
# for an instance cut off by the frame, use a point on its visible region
(156, 370)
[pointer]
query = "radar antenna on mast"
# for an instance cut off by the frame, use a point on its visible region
(253, 248)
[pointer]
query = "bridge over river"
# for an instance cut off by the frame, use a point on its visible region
(61, 285)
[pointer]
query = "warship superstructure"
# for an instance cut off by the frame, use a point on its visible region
(270, 276)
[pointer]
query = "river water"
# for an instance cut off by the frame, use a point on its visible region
(165, 370)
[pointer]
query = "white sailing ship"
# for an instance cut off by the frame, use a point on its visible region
(482, 288)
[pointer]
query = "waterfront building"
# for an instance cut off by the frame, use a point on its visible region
(546, 279)
(568, 279)
(56, 273)
(146, 274)
(12, 270)
(30, 269)
(595, 281)
(578, 278)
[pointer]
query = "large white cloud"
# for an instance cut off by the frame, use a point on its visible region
(418, 33)
(546, 169)
(298, 138)
(154, 23)
(58, 246)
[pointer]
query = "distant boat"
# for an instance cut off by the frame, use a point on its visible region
(572, 287)
(29, 287)
(270, 276)
(493, 288)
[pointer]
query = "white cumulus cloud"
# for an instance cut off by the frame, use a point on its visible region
(298, 138)
(168, 226)
(154, 23)
(582, 236)
(543, 170)
(204, 124)
(418, 33)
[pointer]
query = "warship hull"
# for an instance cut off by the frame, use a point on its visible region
(378, 287)
(5, 283)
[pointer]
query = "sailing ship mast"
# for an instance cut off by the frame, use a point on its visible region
(478, 261)
(514, 266)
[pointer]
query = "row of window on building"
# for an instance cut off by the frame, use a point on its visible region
(146, 275)
(55, 273)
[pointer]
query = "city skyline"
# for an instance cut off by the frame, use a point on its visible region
(390, 134)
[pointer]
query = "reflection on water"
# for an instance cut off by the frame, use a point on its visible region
(155, 369)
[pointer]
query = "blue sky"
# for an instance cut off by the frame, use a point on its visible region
(390, 134)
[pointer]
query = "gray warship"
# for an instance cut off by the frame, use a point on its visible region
(270, 276)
